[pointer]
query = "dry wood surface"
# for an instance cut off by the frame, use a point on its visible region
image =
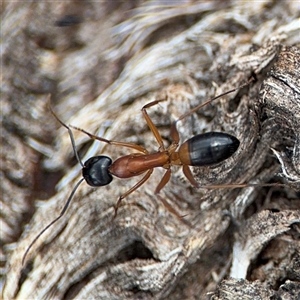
(101, 62)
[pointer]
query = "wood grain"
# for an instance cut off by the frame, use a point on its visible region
(100, 71)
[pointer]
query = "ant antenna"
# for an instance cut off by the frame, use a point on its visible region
(104, 161)
(54, 221)
(73, 191)
(69, 130)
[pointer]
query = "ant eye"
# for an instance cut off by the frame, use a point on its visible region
(200, 150)
(95, 171)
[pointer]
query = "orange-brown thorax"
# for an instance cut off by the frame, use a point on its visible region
(136, 164)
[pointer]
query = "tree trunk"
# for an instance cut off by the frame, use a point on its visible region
(99, 76)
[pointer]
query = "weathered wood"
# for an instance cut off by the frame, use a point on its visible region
(97, 82)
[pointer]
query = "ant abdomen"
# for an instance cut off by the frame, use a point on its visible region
(200, 150)
(208, 148)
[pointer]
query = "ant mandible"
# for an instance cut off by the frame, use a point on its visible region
(201, 150)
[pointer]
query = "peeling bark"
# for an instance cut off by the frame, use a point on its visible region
(99, 77)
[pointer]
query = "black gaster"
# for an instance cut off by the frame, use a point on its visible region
(211, 148)
(95, 171)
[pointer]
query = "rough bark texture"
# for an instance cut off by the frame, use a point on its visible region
(101, 62)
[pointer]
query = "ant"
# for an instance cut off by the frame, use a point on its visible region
(201, 150)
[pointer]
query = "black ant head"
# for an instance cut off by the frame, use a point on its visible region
(96, 171)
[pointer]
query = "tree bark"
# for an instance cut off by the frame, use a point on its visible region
(100, 67)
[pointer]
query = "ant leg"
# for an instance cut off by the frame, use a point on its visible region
(160, 186)
(188, 174)
(122, 144)
(152, 127)
(170, 208)
(135, 187)
(193, 110)
(163, 181)
(174, 132)
(94, 137)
